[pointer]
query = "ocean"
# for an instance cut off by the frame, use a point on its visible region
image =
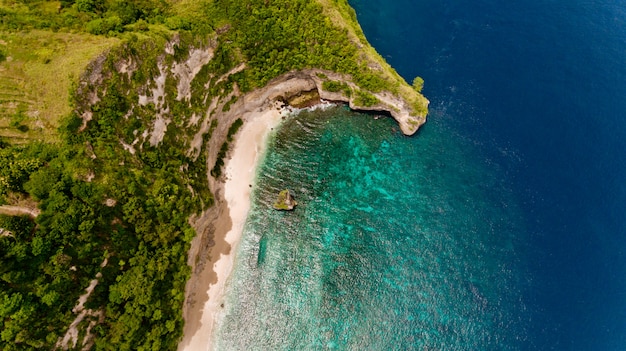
(500, 226)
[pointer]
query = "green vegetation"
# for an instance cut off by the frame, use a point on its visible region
(143, 231)
(18, 163)
(285, 201)
(80, 14)
(35, 82)
(335, 86)
(216, 171)
(363, 98)
(418, 84)
(145, 237)
(119, 173)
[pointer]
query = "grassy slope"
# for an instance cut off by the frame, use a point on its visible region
(36, 78)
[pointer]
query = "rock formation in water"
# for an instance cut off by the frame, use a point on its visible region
(285, 201)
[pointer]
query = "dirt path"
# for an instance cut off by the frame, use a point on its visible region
(19, 211)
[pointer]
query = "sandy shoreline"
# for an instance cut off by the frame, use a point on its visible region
(219, 228)
(240, 170)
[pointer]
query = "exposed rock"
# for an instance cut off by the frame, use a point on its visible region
(90, 151)
(186, 71)
(4, 232)
(91, 318)
(285, 201)
(162, 112)
(169, 47)
(305, 99)
(127, 147)
(110, 202)
(223, 29)
(126, 66)
(305, 86)
(159, 128)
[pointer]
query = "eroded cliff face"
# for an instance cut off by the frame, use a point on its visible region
(177, 94)
(311, 84)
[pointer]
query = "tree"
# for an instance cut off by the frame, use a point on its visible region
(418, 84)
(86, 5)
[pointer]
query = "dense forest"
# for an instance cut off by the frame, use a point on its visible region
(112, 208)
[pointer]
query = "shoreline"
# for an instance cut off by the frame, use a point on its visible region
(219, 228)
(249, 146)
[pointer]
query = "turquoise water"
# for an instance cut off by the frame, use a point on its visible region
(501, 226)
(396, 243)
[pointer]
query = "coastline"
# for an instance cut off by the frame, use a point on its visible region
(240, 170)
(219, 228)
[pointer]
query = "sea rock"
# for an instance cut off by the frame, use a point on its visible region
(285, 201)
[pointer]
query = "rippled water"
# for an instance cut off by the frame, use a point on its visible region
(539, 87)
(397, 243)
(501, 226)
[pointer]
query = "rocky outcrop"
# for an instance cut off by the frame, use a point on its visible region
(285, 201)
(305, 99)
(305, 88)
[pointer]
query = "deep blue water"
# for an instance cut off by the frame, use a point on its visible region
(541, 87)
(500, 226)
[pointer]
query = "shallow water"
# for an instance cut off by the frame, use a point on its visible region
(396, 244)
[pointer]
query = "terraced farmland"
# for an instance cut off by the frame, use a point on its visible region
(35, 79)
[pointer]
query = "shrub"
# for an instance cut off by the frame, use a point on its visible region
(45, 55)
(332, 86)
(86, 5)
(418, 84)
(365, 99)
(105, 25)
(371, 82)
(177, 23)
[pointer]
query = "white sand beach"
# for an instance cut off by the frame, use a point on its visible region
(240, 170)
